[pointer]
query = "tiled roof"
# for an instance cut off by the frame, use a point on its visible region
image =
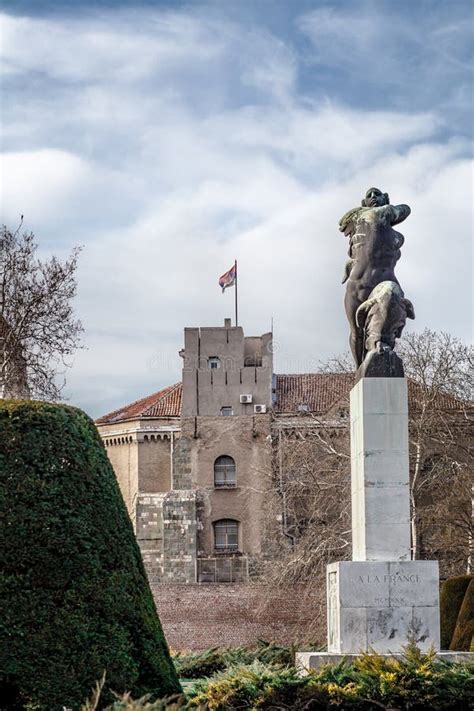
(320, 391)
(313, 392)
(444, 401)
(317, 392)
(165, 403)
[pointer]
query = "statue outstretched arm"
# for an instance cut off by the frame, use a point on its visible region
(346, 223)
(400, 213)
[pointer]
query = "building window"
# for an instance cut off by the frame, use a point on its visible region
(224, 471)
(227, 411)
(226, 535)
(213, 362)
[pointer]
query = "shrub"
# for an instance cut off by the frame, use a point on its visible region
(247, 687)
(203, 664)
(415, 681)
(452, 595)
(196, 665)
(464, 632)
(74, 598)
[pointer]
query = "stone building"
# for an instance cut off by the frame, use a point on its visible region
(194, 460)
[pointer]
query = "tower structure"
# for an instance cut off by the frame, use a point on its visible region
(193, 461)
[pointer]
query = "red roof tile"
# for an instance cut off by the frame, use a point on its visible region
(321, 391)
(165, 403)
(444, 401)
(317, 391)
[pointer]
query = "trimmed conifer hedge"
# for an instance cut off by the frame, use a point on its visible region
(74, 597)
(451, 598)
(464, 633)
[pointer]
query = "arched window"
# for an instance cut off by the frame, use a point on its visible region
(224, 471)
(226, 535)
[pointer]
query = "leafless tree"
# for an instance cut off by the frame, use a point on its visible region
(38, 330)
(307, 508)
(440, 372)
(312, 484)
(310, 487)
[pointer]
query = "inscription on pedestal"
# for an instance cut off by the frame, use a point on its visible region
(382, 605)
(393, 580)
(396, 578)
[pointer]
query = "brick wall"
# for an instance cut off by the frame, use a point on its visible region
(201, 616)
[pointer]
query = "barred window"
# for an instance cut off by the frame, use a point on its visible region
(224, 471)
(226, 535)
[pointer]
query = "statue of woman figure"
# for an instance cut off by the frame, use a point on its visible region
(374, 249)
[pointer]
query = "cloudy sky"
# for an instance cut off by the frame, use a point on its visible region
(169, 138)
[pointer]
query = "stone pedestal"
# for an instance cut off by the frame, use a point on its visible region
(381, 599)
(380, 470)
(379, 606)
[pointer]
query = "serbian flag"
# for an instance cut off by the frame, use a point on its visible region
(228, 279)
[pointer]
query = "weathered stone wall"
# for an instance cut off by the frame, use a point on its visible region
(246, 440)
(201, 616)
(166, 531)
(122, 451)
(154, 464)
(179, 534)
(245, 368)
(182, 463)
(141, 454)
(149, 530)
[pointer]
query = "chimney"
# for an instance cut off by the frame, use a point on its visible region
(227, 323)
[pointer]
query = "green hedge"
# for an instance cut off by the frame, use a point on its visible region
(197, 665)
(464, 633)
(74, 598)
(415, 682)
(451, 598)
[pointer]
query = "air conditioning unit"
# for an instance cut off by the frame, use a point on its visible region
(259, 409)
(245, 399)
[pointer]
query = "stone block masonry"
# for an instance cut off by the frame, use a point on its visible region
(166, 526)
(182, 464)
(179, 537)
(380, 470)
(375, 605)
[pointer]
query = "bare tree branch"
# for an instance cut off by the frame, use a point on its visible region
(38, 331)
(308, 502)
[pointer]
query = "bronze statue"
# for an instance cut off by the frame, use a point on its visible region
(374, 249)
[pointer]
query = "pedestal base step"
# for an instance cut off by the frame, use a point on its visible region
(314, 660)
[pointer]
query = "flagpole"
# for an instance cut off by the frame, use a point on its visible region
(236, 278)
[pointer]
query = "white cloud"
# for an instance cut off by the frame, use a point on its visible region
(55, 188)
(403, 55)
(125, 50)
(167, 170)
